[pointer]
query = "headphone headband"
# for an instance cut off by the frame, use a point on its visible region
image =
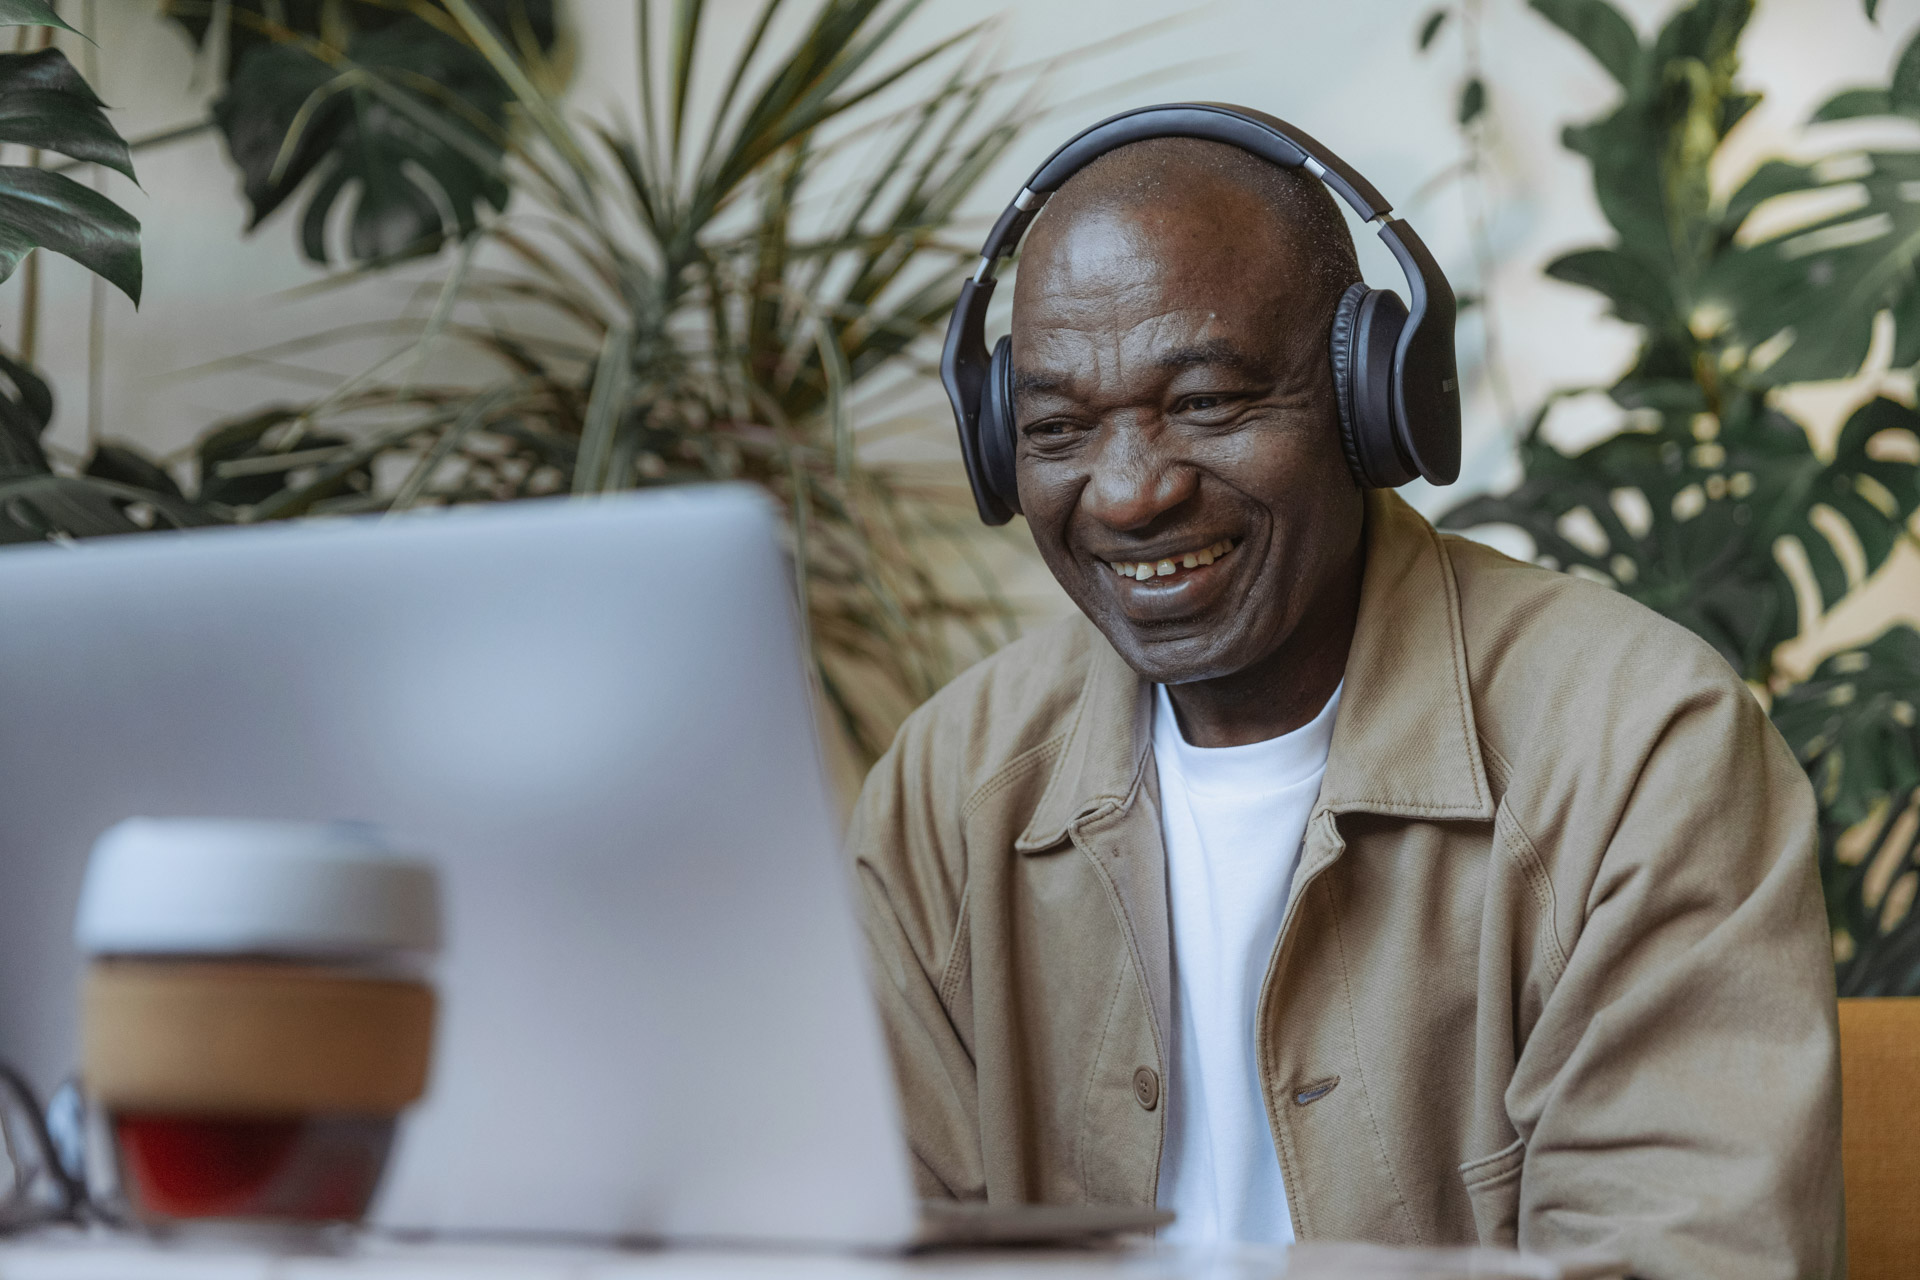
(1421, 410)
(1273, 140)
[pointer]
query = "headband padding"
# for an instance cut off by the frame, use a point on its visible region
(997, 437)
(1340, 350)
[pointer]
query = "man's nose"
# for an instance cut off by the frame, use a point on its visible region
(1136, 480)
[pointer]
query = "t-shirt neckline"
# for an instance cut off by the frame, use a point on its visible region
(1258, 767)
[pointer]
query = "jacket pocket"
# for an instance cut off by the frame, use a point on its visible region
(1493, 1189)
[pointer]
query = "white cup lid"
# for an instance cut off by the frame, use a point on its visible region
(225, 886)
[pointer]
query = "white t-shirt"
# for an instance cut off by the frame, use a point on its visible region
(1233, 819)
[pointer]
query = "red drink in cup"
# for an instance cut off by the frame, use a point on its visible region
(254, 1019)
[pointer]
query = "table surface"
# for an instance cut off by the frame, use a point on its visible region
(75, 1255)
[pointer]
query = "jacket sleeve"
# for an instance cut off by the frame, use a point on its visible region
(909, 865)
(1679, 1094)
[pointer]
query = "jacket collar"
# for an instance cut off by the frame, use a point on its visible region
(1404, 743)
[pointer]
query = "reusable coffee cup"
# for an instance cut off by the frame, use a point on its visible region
(254, 1014)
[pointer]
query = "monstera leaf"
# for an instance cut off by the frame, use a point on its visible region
(1854, 726)
(1602, 31)
(231, 460)
(1686, 513)
(1678, 97)
(123, 493)
(125, 464)
(369, 105)
(1685, 519)
(1808, 293)
(46, 507)
(1699, 507)
(1634, 511)
(1808, 297)
(1649, 160)
(45, 104)
(26, 407)
(247, 25)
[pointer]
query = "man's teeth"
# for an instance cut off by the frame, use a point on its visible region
(1144, 569)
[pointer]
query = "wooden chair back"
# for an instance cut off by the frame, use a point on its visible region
(1880, 1135)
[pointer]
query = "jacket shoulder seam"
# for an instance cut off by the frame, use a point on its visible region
(1462, 680)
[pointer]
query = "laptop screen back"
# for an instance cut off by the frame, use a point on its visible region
(594, 717)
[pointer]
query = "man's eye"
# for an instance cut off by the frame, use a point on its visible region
(1200, 404)
(1044, 430)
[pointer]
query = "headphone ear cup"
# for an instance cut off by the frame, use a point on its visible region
(1376, 338)
(996, 427)
(1346, 314)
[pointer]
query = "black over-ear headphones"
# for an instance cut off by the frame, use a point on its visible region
(1393, 369)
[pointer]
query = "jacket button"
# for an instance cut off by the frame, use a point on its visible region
(1146, 1088)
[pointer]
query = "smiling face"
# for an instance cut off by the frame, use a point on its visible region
(1178, 452)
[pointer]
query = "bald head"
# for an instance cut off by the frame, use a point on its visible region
(1299, 222)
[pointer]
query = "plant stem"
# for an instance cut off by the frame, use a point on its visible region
(30, 303)
(97, 288)
(30, 285)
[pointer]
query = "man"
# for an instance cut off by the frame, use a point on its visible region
(1331, 878)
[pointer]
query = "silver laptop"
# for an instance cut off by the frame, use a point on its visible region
(595, 717)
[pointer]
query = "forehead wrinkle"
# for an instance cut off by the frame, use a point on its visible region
(1216, 352)
(1146, 344)
(1085, 280)
(1114, 298)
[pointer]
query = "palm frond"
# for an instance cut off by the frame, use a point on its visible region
(671, 301)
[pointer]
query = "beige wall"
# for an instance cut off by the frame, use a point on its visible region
(1345, 71)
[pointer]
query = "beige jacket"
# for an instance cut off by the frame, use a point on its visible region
(1554, 970)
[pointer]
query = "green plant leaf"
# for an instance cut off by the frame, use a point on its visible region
(1707, 568)
(1430, 28)
(1904, 88)
(354, 141)
(1853, 725)
(367, 104)
(1699, 504)
(1650, 154)
(1714, 510)
(1850, 104)
(32, 13)
(45, 103)
(26, 407)
(1705, 32)
(263, 471)
(1473, 101)
(1624, 151)
(1846, 724)
(125, 464)
(743, 346)
(238, 27)
(483, 35)
(1871, 492)
(1601, 30)
(686, 34)
(1639, 294)
(35, 508)
(39, 209)
(1872, 9)
(1817, 287)
(1774, 178)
